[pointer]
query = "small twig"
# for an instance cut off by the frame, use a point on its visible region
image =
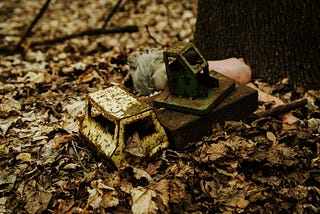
(33, 23)
(112, 12)
(75, 150)
(279, 109)
(284, 108)
(154, 39)
(254, 191)
(9, 34)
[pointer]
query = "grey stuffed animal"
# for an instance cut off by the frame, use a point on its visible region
(148, 71)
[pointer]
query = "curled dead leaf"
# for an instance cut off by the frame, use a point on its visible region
(140, 173)
(242, 203)
(86, 78)
(177, 191)
(24, 157)
(101, 195)
(6, 123)
(7, 180)
(212, 152)
(161, 189)
(3, 201)
(71, 166)
(271, 137)
(299, 192)
(37, 201)
(134, 147)
(9, 107)
(142, 202)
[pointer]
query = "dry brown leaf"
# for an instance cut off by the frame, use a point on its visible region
(9, 107)
(242, 203)
(71, 166)
(37, 201)
(110, 199)
(75, 107)
(140, 173)
(79, 66)
(239, 146)
(153, 168)
(177, 191)
(116, 78)
(212, 152)
(37, 56)
(271, 180)
(65, 205)
(49, 150)
(142, 202)
(184, 170)
(6, 123)
(7, 180)
(282, 154)
(36, 77)
(71, 126)
(24, 157)
(298, 193)
(94, 199)
(161, 189)
(89, 176)
(271, 137)
(86, 78)
(59, 140)
(134, 147)
(3, 201)
(210, 188)
(233, 200)
(102, 195)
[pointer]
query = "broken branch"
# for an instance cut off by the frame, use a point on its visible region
(33, 23)
(127, 29)
(114, 9)
(152, 37)
(79, 159)
(280, 109)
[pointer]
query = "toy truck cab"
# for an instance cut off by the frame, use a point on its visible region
(121, 128)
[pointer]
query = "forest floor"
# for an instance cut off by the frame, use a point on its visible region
(265, 166)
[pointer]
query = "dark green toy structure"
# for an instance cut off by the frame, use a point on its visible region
(192, 88)
(187, 70)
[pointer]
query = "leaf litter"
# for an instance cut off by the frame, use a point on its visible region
(260, 167)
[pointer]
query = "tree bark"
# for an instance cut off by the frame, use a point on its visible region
(277, 38)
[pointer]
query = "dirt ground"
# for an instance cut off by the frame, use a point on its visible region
(264, 166)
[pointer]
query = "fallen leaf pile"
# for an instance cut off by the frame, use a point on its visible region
(260, 167)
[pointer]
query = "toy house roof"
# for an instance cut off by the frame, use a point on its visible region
(117, 102)
(179, 49)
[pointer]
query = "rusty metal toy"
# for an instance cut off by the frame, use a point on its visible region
(119, 126)
(193, 89)
(197, 98)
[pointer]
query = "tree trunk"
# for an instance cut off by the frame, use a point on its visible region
(277, 38)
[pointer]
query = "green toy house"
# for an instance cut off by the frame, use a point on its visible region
(187, 71)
